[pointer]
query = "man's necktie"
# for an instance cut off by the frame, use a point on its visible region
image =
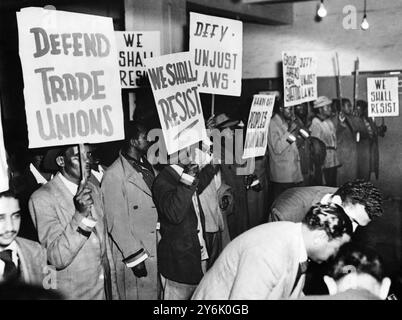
(301, 270)
(10, 270)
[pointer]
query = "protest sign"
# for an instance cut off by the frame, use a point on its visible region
(4, 183)
(217, 48)
(382, 97)
(299, 77)
(133, 48)
(174, 85)
(256, 141)
(70, 70)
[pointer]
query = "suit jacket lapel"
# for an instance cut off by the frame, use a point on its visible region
(63, 196)
(24, 255)
(134, 177)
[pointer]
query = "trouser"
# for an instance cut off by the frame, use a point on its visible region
(330, 176)
(172, 290)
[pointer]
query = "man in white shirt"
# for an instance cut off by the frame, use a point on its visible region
(20, 259)
(71, 226)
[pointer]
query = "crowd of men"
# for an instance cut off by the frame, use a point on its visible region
(189, 230)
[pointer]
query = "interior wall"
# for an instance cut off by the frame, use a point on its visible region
(378, 48)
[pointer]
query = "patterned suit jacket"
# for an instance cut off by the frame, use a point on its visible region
(83, 264)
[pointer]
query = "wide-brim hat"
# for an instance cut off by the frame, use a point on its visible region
(322, 101)
(49, 161)
(222, 121)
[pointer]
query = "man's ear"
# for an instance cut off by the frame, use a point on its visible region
(331, 285)
(132, 142)
(384, 289)
(319, 236)
(60, 161)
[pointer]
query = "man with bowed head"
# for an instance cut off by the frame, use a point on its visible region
(269, 261)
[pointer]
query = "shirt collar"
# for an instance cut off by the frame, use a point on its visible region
(71, 186)
(302, 251)
(38, 176)
(98, 174)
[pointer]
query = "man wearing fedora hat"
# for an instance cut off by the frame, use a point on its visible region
(324, 129)
(71, 224)
(233, 169)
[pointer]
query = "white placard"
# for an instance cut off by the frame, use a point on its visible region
(382, 97)
(217, 48)
(299, 77)
(174, 85)
(256, 141)
(71, 78)
(133, 47)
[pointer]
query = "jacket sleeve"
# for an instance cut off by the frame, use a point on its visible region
(62, 243)
(278, 142)
(173, 200)
(117, 218)
(255, 278)
(315, 130)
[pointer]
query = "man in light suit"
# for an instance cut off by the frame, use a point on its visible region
(71, 226)
(132, 217)
(20, 259)
(268, 261)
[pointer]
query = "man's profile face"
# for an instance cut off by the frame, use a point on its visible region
(141, 143)
(72, 163)
(287, 112)
(326, 111)
(300, 110)
(347, 108)
(10, 220)
(327, 248)
(357, 213)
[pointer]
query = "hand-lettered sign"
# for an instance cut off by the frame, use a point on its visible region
(174, 85)
(256, 141)
(382, 97)
(217, 48)
(299, 77)
(71, 78)
(133, 48)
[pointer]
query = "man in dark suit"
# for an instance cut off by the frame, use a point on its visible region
(182, 252)
(20, 259)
